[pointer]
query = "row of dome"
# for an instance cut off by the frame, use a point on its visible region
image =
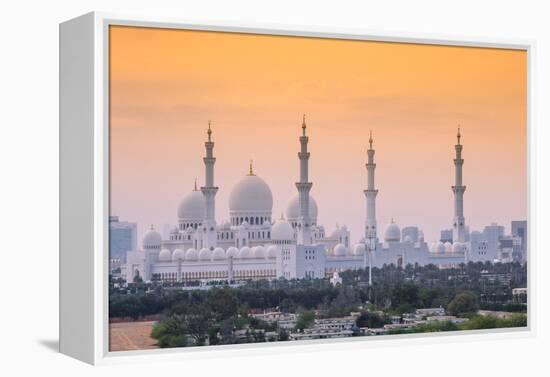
(340, 250)
(447, 247)
(258, 252)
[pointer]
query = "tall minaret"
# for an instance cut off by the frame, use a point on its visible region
(370, 193)
(459, 227)
(209, 193)
(304, 222)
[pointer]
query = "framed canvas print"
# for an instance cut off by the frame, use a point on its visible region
(226, 187)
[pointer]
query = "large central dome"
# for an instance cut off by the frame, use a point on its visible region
(250, 198)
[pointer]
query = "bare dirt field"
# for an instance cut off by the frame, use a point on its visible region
(127, 336)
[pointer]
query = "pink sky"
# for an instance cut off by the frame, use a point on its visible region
(167, 84)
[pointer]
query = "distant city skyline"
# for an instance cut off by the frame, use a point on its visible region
(167, 84)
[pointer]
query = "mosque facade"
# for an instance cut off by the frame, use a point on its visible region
(252, 245)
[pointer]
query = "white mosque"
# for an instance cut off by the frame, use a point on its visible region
(251, 245)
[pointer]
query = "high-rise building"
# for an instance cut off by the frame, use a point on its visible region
(519, 229)
(122, 238)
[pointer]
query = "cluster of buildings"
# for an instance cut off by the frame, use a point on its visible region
(322, 328)
(411, 320)
(326, 328)
(254, 245)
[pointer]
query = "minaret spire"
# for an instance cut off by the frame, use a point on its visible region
(459, 223)
(209, 192)
(370, 194)
(304, 186)
(370, 139)
(250, 171)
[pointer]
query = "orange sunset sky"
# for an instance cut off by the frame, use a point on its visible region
(166, 84)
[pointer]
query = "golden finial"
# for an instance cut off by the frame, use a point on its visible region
(370, 139)
(209, 130)
(304, 124)
(250, 171)
(195, 189)
(458, 134)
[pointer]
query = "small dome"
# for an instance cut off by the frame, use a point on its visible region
(189, 229)
(359, 249)
(293, 209)
(457, 247)
(408, 239)
(339, 250)
(448, 247)
(232, 252)
(250, 195)
(191, 255)
(192, 207)
(392, 233)
(152, 239)
(165, 255)
(205, 254)
(244, 224)
(272, 251)
(219, 253)
(178, 254)
(245, 253)
(282, 231)
(258, 251)
(440, 247)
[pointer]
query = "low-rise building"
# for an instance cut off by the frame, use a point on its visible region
(519, 295)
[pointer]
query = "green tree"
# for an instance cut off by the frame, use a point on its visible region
(370, 320)
(305, 320)
(223, 303)
(195, 320)
(491, 322)
(463, 303)
(170, 333)
(283, 335)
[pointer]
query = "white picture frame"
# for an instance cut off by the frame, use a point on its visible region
(84, 185)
